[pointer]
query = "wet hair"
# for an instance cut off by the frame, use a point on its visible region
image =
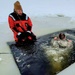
(61, 36)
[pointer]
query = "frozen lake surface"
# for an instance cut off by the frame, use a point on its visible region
(41, 26)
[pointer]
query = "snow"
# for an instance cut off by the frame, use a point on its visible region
(68, 71)
(38, 8)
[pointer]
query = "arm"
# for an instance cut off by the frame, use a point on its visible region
(29, 27)
(12, 25)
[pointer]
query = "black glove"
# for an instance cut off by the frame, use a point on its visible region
(21, 35)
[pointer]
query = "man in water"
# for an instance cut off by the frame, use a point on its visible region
(21, 25)
(61, 41)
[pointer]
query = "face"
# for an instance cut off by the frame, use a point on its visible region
(19, 12)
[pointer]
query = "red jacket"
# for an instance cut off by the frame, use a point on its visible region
(14, 20)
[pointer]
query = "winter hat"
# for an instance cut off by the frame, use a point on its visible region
(17, 6)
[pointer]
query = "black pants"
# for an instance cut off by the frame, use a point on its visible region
(24, 35)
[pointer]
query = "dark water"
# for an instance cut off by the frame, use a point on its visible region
(31, 59)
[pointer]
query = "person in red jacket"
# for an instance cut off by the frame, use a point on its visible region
(20, 24)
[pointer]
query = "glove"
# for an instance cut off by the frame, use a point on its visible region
(18, 35)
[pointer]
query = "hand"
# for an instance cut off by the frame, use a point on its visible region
(55, 38)
(18, 35)
(69, 40)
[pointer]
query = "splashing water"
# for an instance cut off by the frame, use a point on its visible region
(58, 57)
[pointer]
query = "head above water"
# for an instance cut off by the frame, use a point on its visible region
(61, 36)
(18, 8)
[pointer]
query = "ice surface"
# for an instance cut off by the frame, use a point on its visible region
(41, 26)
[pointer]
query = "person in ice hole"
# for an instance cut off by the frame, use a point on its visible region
(61, 41)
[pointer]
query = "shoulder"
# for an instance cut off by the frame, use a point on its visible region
(12, 14)
(26, 16)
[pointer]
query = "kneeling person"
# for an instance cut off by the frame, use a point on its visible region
(20, 24)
